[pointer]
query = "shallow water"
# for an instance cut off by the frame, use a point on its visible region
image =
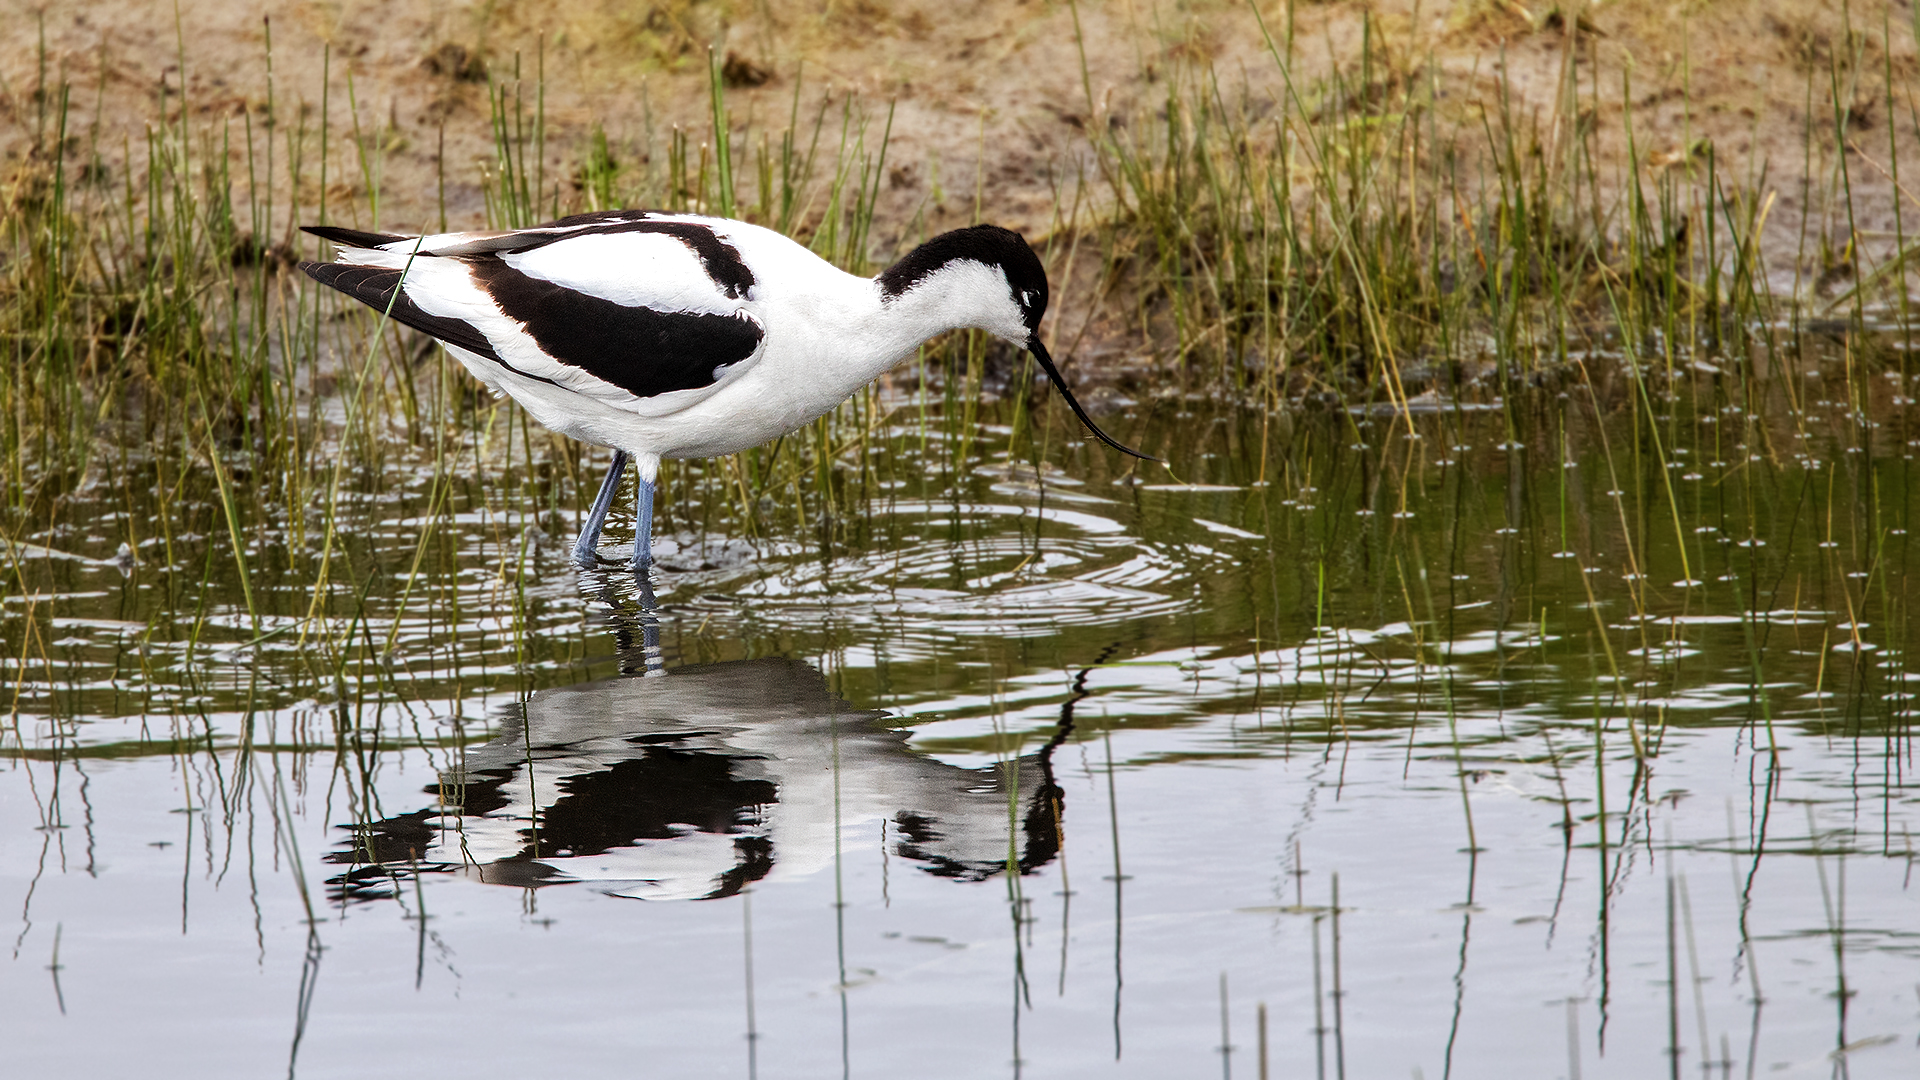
(1006, 770)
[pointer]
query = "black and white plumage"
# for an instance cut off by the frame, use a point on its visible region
(680, 336)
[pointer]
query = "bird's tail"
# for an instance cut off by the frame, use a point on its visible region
(392, 250)
(360, 246)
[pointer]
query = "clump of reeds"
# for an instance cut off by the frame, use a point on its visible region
(1339, 234)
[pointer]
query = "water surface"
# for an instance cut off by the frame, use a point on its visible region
(1551, 739)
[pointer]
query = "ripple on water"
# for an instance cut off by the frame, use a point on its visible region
(928, 588)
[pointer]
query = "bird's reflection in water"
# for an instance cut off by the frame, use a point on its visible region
(692, 782)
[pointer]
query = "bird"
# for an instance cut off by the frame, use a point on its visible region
(672, 335)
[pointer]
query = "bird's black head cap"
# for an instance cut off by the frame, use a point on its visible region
(988, 244)
(992, 245)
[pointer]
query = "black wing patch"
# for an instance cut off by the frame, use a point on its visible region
(598, 217)
(642, 351)
(374, 286)
(719, 259)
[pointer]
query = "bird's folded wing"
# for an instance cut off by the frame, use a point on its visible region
(626, 312)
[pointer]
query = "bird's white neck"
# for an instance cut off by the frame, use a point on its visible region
(838, 332)
(961, 295)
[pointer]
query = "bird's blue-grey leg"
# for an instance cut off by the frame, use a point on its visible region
(643, 527)
(597, 519)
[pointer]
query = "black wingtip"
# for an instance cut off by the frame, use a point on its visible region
(356, 238)
(378, 287)
(371, 285)
(1046, 363)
